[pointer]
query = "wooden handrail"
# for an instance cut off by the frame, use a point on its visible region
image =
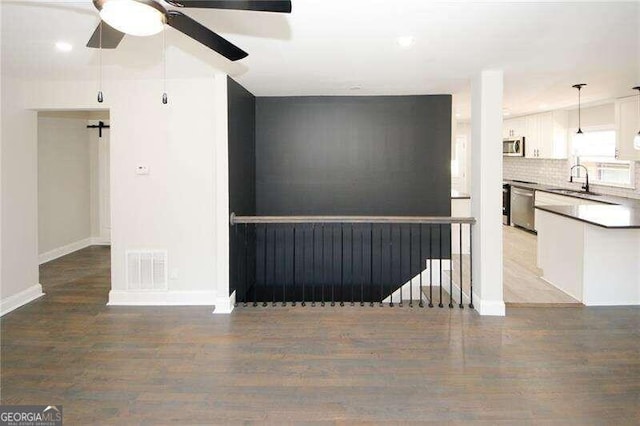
(351, 219)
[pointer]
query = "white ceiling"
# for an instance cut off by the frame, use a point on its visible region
(326, 47)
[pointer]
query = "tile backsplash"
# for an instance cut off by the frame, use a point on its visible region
(556, 173)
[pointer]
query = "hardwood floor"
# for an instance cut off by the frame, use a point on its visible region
(161, 365)
(522, 283)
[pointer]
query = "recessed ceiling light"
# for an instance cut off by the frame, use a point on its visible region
(405, 41)
(63, 46)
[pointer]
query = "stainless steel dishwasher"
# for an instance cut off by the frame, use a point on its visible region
(523, 208)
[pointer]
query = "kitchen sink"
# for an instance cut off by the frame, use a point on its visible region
(572, 192)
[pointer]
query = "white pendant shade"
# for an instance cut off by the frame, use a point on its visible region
(133, 17)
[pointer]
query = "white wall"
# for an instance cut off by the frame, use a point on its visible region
(174, 207)
(64, 180)
(19, 170)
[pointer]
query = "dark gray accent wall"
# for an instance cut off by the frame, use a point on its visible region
(386, 155)
(242, 167)
(350, 156)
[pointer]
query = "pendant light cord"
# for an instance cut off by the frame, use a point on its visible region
(579, 110)
(164, 60)
(100, 61)
(165, 98)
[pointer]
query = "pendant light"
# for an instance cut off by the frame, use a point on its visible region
(100, 95)
(579, 135)
(165, 97)
(636, 139)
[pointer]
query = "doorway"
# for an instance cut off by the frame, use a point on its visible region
(74, 209)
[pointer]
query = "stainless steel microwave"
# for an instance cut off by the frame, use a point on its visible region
(513, 147)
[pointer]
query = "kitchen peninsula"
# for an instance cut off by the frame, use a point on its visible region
(592, 251)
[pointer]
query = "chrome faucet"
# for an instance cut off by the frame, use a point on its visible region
(586, 171)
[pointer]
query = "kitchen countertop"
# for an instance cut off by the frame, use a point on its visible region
(613, 212)
(604, 215)
(602, 198)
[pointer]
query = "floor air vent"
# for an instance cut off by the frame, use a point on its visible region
(146, 270)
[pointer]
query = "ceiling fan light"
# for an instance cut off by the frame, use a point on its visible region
(138, 18)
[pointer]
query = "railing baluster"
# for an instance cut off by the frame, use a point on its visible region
(421, 304)
(237, 261)
(246, 267)
(450, 268)
(391, 264)
(332, 263)
(362, 276)
(313, 266)
(264, 283)
(461, 305)
(431, 266)
(411, 266)
(293, 303)
(304, 265)
(371, 264)
(322, 265)
(353, 281)
(284, 266)
(275, 269)
(342, 293)
(401, 280)
(440, 305)
(381, 276)
(470, 267)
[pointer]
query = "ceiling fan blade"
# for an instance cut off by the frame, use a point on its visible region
(204, 35)
(282, 6)
(111, 37)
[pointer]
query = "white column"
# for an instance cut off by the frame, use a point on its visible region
(486, 191)
(223, 303)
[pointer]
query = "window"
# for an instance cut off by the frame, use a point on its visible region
(597, 152)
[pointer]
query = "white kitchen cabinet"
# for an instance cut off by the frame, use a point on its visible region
(628, 125)
(532, 136)
(546, 135)
(513, 128)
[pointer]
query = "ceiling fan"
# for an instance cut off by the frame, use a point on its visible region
(148, 17)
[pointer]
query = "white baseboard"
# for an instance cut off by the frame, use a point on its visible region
(63, 251)
(489, 307)
(99, 241)
(162, 298)
(20, 299)
(70, 248)
(224, 305)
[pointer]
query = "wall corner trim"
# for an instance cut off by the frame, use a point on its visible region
(224, 304)
(20, 299)
(489, 307)
(161, 298)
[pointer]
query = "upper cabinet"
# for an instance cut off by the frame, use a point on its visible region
(628, 126)
(513, 128)
(545, 134)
